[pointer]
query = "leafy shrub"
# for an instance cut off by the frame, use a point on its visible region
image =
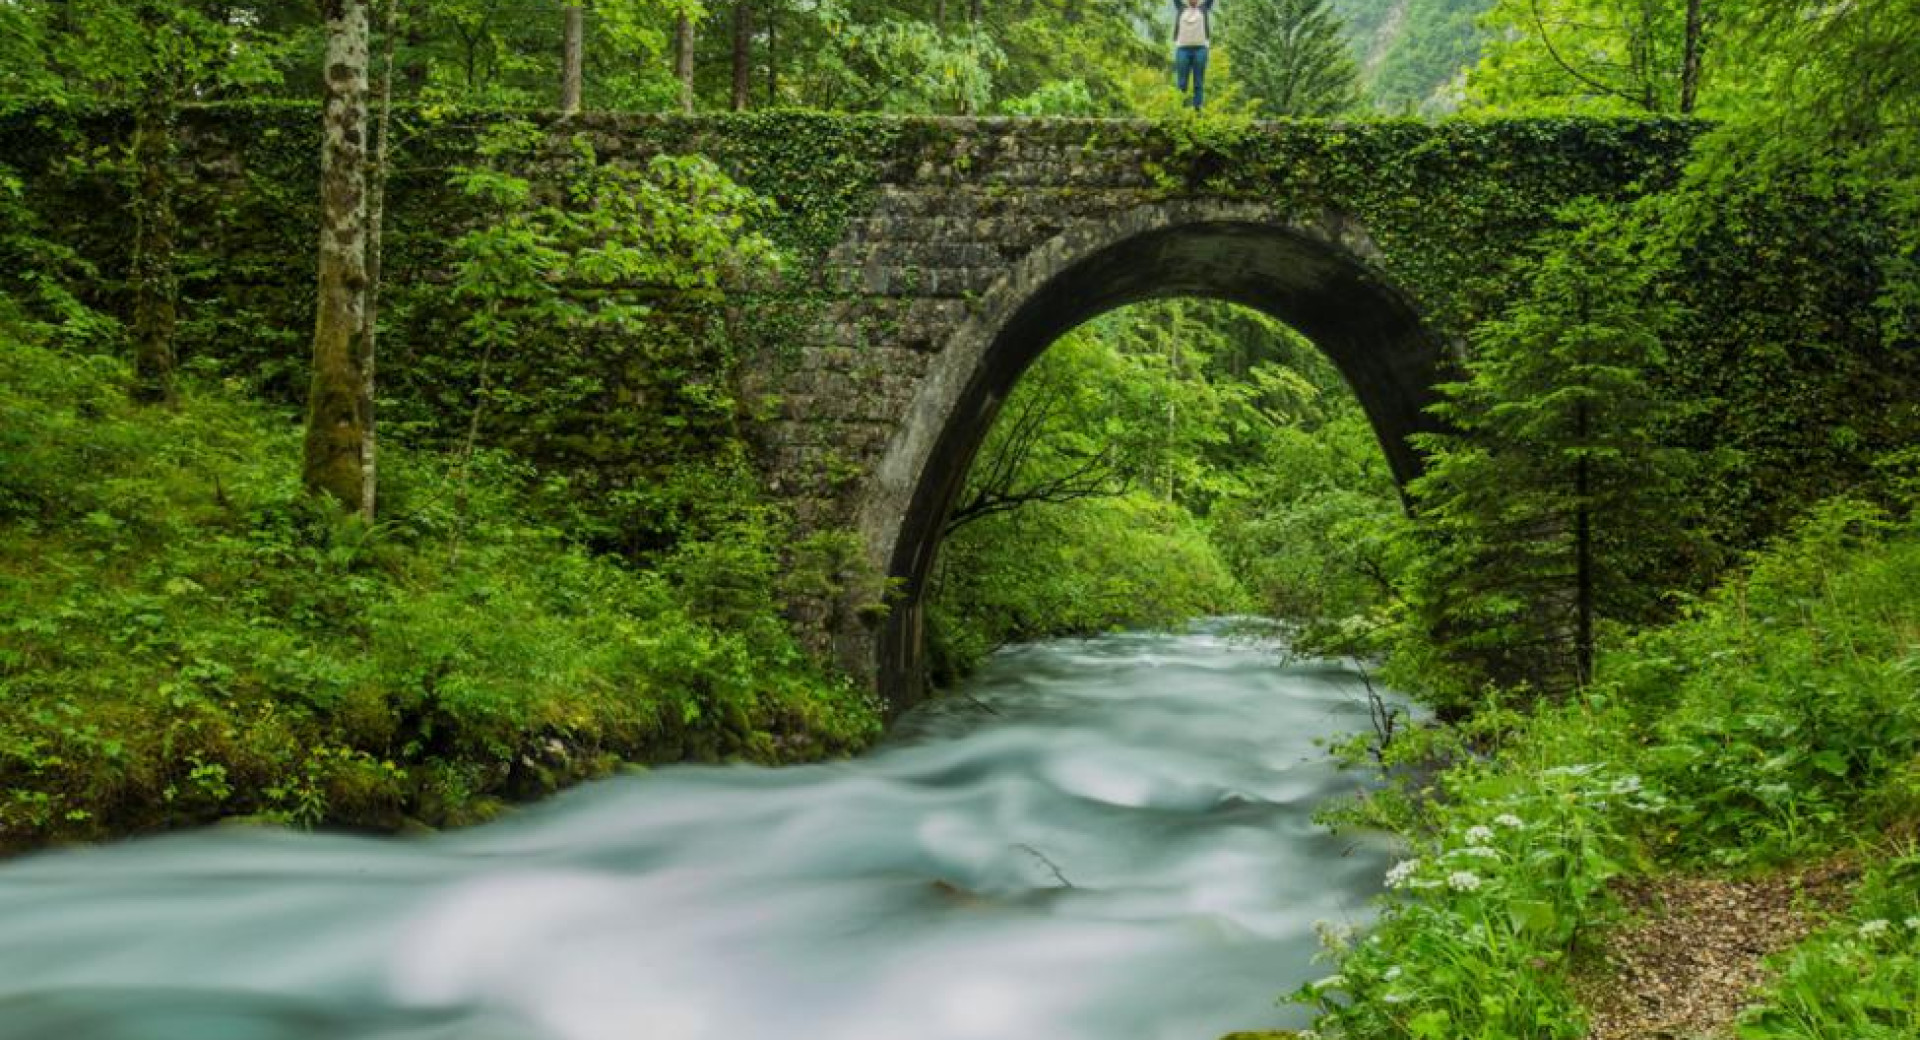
(1785, 705)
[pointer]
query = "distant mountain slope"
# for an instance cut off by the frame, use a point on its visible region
(1412, 52)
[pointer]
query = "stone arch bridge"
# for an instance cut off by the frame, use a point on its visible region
(978, 243)
(940, 257)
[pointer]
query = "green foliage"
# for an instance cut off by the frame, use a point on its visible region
(77, 52)
(1296, 61)
(1413, 54)
(1586, 55)
(1061, 98)
(1816, 107)
(1554, 505)
(1782, 713)
(1494, 903)
(1298, 497)
(1315, 531)
(185, 635)
(591, 339)
(906, 66)
(1083, 568)
(1777, 721)
(1215, 444)
(1857, 979)
(41, 277)
(1423, 66)
(1835, 122)
(1052, 45)
(1080, 513)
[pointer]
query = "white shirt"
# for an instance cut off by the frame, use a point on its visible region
(1192, 31)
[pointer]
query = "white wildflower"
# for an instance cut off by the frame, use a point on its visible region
(1330, 982)
(1480, 852)
(1507, 819)
(1402, 872)
(1463, 881)
(1876, 927)
(1337, 937)
(1478, 835)
(1913, 923)
(1391, 973)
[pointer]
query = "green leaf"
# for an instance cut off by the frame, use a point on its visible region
(1431, 1025)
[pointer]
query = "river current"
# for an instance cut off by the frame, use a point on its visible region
(1108, 839)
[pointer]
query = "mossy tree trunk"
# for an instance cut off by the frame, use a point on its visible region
(573, 49)
(390, 18)
(683, 60)
(337, 421)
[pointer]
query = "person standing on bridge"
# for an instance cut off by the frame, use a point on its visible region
(1192, 32)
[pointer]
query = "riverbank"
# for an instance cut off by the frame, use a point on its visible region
(185, 636)
(1775, 727)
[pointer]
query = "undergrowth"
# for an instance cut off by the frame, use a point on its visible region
(1778, 721)
(186, 635)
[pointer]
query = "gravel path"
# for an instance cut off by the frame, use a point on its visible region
(1683, 966)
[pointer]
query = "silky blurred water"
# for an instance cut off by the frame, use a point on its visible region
(1106, 839)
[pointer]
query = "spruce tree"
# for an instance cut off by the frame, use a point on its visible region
(1293, 56)
(1554, 503)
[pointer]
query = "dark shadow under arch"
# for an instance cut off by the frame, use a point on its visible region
(1367, 328)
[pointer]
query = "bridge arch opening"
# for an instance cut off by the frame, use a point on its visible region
(1309, 277)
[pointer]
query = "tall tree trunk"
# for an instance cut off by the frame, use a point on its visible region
(773, 53)
(683, 60)
(336, 442)
(939, 14)
(1690, 57)
(156, 285)
(376, 225)
(973, 12)
(573, 56)
(1583, 592)
(742, 53)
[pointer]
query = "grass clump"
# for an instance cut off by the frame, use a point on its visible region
(186, 635)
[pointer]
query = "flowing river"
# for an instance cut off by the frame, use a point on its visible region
(1107, 839)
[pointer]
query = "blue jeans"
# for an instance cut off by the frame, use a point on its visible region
(1191, 61)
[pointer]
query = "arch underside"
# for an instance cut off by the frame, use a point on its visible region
(1369, 330)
